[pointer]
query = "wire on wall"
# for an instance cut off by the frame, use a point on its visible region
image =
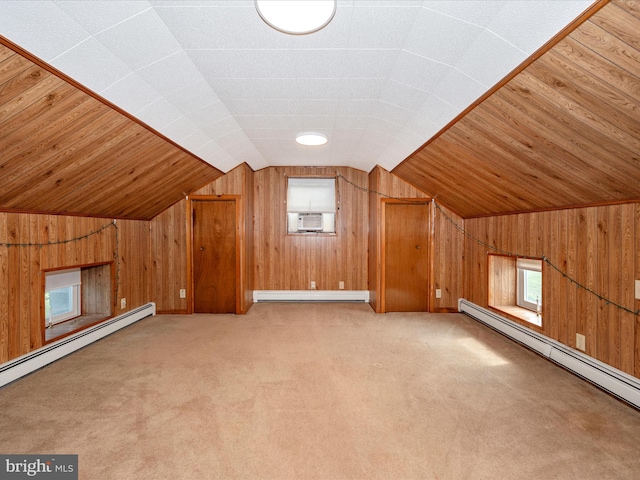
(505, 252)
(58, 242)
(113, 224)
(573, 281)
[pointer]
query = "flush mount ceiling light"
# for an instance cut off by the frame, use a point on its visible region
(311, 139)
(296, 17)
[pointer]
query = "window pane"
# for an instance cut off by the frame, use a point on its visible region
(533, 287)
(61, 301)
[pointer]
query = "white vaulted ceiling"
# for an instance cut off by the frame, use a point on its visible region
(380, 80)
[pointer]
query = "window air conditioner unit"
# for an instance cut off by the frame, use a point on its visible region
(310, 222)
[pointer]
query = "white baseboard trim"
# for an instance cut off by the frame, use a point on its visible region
(606, 377)
(311, 296)
(32, 361)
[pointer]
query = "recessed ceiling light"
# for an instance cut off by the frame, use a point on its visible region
(296, 17)
(311, 139)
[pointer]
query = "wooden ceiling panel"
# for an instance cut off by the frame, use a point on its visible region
(563, 132)
(65, 150)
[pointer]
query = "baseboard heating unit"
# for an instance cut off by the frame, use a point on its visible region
(606, 377)
(32, 361)
(311, 295)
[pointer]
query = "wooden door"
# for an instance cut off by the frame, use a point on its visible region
(406, 265)
(214, 256)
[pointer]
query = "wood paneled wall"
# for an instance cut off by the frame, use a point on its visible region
(169, 259)
(598, 247)
(21, 278)
(385, 183)
(97, 290)
(239, 181)
(291, 262)
(169, 242)
(277, 261)
(448, 251)
(447, 243)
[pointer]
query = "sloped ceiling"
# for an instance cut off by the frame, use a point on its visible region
(384, 78)
(563, 132)
(64, 151)
(379, 80)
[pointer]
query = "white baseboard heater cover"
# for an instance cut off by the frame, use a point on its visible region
(32, 361)
(608, 378)
(311, 295)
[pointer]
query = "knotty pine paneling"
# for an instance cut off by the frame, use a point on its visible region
(597, 247)
(21, 277)
(291, 262)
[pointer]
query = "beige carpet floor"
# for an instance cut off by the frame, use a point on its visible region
(318, 391)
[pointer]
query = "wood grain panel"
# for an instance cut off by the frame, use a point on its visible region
(169, 259)
(574, 109)
(169, 249)
(406, 257)
(66, 150)
(44, 242)
(382, 184)
(239, 181)
(4, 290)
(215, 241)
(291, 262)
(447, 267)
(596, 247)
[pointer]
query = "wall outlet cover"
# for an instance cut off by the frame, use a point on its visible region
(123, 303)
(580, 342)
(341, 285)
(438, 293)
(183, 293)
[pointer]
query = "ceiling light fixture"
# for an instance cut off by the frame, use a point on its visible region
(311, 139)
(296, 17)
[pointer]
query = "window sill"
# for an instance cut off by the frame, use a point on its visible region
(74, 325)
(520, 313)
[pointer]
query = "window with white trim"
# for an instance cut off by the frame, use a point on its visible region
(529, 276)
(62, 295)
(515, 287)
(311, 205)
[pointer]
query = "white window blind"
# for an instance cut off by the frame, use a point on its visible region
(311, 195)
(62, 279)
(530, 264)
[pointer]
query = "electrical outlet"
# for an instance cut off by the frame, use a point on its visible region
(438, 293)
(313, 285)
(183, 293)
(637, 289)
(123, 303)
(580, 342)
(341, 285)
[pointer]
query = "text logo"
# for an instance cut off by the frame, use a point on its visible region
(49, 467)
